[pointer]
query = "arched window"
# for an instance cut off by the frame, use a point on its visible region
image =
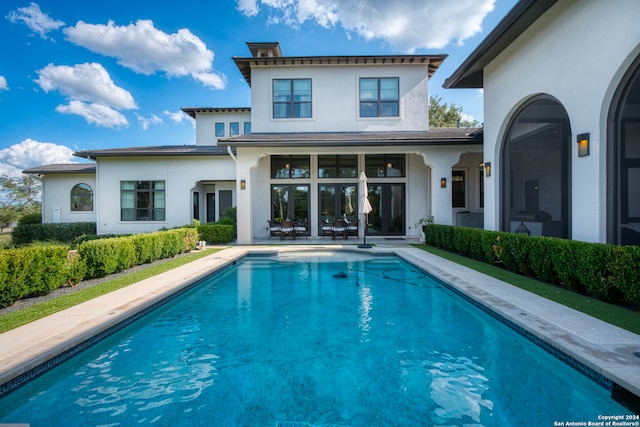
(624, 159)
(81, 198)
(536, 169)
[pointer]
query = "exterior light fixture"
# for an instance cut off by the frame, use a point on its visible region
(443, 182)
(487, 169)
(583, 144)
(243, 184)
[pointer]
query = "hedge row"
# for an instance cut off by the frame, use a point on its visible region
(607, 272)
(31, 272)
(217, 233)
(107, 256)
(38, 270)
(24, 234)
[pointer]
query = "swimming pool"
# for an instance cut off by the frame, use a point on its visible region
(319, 338)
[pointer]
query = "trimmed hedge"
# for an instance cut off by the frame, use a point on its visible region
(606, 272)
(107, 256)
(38, 270)
(217, 233)
(31, 271)
(24, 234)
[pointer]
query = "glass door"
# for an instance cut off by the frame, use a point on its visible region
(388, 215)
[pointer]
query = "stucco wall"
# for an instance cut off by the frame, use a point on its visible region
(335, 99)
(577, 52)
(181, 176)
(57, 195)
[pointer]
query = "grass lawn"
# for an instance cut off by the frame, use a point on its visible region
(29, 314)
(616, 315)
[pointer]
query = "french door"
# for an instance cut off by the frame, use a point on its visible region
(388, 215)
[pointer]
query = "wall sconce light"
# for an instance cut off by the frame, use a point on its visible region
(389, 165)
(443, 182)
(487, 169)
(583, 144)
(243, 184)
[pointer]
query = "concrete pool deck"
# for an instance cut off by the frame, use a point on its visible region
(612, 352)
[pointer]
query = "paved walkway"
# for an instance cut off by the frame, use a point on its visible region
(606, 349)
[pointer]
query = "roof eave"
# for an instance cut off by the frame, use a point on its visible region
(520, 17)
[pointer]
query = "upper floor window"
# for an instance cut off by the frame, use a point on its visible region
(234, 128)
(291, 98)
(247, 128)
(81, 198)
(142, 200)
(219, 129)
(379, 97)
(290, 167)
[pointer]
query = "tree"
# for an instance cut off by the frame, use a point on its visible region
(442, 115)
(22, 193)
(8, 215)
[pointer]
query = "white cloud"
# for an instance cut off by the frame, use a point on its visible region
(147, 50)
(95, 114)
(176, 116)
(145, 122)
(30, 153)
(3, 83)
(85, 82)
(92, 93)
(35, 19)
(407, 25)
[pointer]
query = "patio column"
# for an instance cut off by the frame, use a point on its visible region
(441, 164)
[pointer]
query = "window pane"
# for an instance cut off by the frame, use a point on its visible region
(302, 110)
(394, 164)
(219, 129)
(389, 89)
(302, 90)
(327, 202)
(349, 202)
(247, 128)
(389, 109)
(301, 203)
(280, 166)
(374, 165)
(281, 111)
(457, 189)
(327, 166)
(368, 109)
(368, 89)
(348, 166)
(279, 202)
(234, 128)
(128, 185)
(282, 91)
(300, 167)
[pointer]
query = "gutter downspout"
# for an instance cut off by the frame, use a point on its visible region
(233, 156)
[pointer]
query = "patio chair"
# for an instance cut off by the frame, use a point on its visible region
(352, 228)
(286, 229)
(274, 229)
(301, 228)
(340, 229)
(325, 229)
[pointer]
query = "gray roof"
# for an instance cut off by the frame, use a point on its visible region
(157, 150)
(435, 136)
(63, 168)
(191, 111)
(519, 18)
(244, 64)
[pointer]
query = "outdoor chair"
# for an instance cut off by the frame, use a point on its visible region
(352, 228)
(274, 229)
(325, 229)
(286, 229)
(340, 229)
(301, 228)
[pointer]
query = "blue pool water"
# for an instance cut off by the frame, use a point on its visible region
(312, 339)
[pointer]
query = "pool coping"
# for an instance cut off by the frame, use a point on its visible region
(605, 349)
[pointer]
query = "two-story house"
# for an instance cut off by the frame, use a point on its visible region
(315, 122)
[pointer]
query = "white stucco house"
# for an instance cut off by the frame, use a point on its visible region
(561, 82)
(314, 123)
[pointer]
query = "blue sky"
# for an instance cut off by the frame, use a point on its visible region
(82, 75)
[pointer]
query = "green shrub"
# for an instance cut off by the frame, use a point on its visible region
(31, 271)
(216, 233)
(30, 218)
(62, 232)
(607, 272)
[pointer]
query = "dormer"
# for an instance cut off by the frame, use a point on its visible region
(265, 49)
